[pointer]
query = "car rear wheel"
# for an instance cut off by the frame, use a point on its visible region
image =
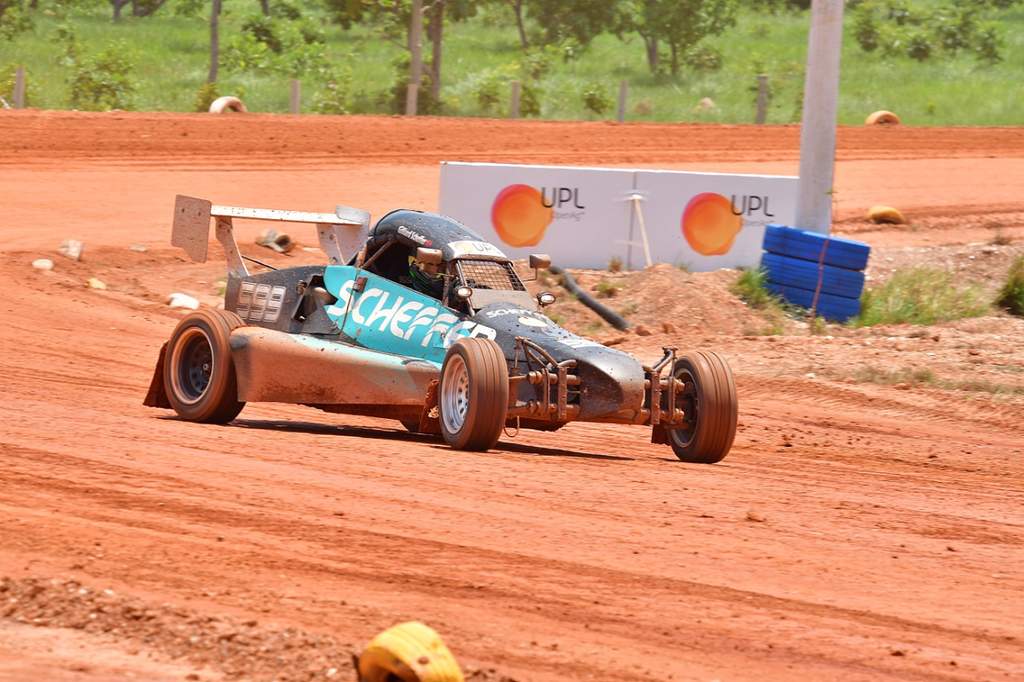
(199, 374)
(708, 396)
(473, 395)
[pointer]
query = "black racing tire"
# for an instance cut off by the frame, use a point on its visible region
(709, 398)
(472, 397)
(199, 374)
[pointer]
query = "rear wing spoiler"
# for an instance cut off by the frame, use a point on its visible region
(341, 233)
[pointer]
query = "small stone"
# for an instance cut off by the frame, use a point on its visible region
(95, 283)
(641, 330)
(138, 248)
(179, 300)
(42, 264)
(668, 328)
(756, 517)
(810, 375)
(71, 248)
(615, 341)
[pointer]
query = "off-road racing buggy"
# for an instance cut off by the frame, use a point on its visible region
(421, 321)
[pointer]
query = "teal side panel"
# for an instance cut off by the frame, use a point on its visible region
(389, 317)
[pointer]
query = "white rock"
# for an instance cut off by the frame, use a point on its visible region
(71, 248)
(138, 248)
(179, 300)
(97, 284)
(42, 264)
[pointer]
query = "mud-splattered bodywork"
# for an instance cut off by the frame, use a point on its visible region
(359, 337)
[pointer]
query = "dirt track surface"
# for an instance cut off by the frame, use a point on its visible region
(857, 531)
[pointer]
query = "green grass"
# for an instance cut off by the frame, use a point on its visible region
(923, 376)
(606, 289)
(1011, 296)
(920, 296)
(170, 53)
(911, 376)
(750, 288)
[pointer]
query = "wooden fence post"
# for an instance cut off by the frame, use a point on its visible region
(513, 108)
(19, 88)
(296, 96)
(762, 100)
(623, 94)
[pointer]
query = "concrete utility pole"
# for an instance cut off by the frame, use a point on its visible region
(415, 57)
(818, 127)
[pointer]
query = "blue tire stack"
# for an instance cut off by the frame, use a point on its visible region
(795, 260)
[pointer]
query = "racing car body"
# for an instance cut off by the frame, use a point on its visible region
(465, 357)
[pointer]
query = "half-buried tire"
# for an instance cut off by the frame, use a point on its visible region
(199, 374)
(473, 394)
(708, 396)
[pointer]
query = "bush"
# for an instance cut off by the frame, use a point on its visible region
(704, 58)
(529, 100)
(426, 104)
(596, 100)
(14, 19)
(865, 30)
(488, 94)
(919, 47)
(750, 288)
(333, 98)
(919, 296)
(1011, 296)
(606, 289)
(205, 96)
(103, 82)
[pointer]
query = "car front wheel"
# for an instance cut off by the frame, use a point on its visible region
(708, 396)
(473, 395)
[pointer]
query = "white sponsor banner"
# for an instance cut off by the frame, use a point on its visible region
(706, 221)
(583, 217)
(573, 214)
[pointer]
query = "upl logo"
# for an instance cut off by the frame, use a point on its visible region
(711, 222)
(521, 213)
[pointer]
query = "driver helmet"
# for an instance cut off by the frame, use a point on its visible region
(424, 281)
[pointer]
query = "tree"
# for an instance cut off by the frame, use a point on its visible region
(517, 9)
(214, 41)
(117, 5)
(576, 20)
(393, 19)
(679, 24)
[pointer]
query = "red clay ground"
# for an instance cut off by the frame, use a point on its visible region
(857, 531)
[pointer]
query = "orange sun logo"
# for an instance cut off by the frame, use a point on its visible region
(709, 224)
(519, 215)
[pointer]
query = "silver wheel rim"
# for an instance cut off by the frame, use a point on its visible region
(190, 392)
(455, 394)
